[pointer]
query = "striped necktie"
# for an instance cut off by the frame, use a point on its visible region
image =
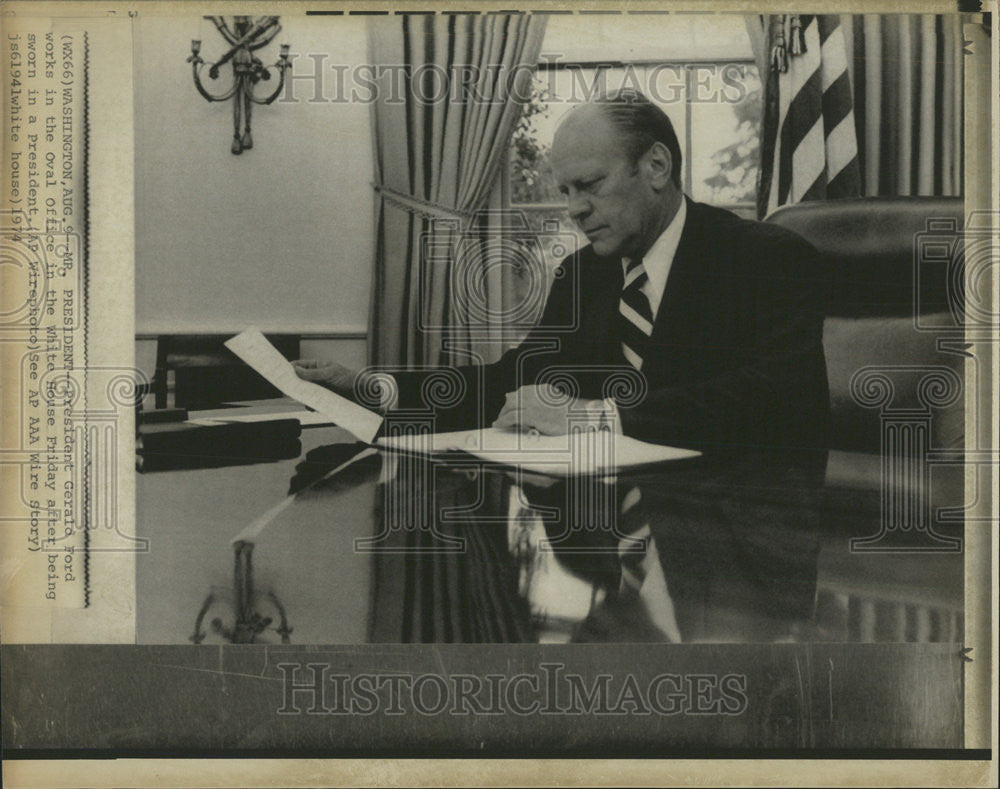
(632, 548)
(642, 576)
(635, 314)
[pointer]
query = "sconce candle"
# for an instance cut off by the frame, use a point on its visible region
(244, 38)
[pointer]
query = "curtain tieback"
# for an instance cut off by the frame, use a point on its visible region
(419, 206)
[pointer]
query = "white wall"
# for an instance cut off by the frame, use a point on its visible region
(279, 237)
(350, 351)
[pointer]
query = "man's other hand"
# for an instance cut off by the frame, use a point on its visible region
(333, 376)
(547, 410)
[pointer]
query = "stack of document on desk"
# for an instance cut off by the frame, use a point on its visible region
(185, 445)
(596, 452)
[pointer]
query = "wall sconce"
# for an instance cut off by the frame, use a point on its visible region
(241, 605)
(244, 38)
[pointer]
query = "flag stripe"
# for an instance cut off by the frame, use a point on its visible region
(837, 103)
(817, 190)
(802, 115)
(841, 147)
(827, 25)
(833, 55)
(846, 183)
(808, 163)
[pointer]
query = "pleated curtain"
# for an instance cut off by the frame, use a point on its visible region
(908, 102)
(438, 152)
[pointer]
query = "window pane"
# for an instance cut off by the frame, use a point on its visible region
(663, 38)
(530, 175)
(725, 104)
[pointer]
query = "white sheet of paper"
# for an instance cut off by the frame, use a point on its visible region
(581, 453)
(254, 349)
(306, 418)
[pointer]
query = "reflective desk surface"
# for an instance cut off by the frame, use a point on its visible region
(760, 626)
(398, 549)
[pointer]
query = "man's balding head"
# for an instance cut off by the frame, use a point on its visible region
(640, 124)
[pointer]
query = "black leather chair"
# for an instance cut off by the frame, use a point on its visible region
(896, 270)
(895, 318)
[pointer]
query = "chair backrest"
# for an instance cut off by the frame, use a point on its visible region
(896, 287)
(198, 371)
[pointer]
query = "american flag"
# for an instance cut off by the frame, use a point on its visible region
(809, 145)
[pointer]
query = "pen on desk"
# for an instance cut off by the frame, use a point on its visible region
(163, 415)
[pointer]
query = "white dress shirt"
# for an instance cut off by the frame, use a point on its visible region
(660, 258)
(657, 262)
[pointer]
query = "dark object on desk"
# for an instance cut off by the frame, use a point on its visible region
(197, 371)
(322, 460)
(183, 445)
(896, 271)
(162, 416)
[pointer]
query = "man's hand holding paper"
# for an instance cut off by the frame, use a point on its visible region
(330, 375)
(254, 349)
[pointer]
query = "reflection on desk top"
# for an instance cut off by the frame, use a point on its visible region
(349, 544)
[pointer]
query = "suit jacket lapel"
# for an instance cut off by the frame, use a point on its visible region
(607, 281)
(672, 315)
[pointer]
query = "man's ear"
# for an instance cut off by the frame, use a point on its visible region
(659, 165)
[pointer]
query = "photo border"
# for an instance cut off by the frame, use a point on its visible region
(111, 155)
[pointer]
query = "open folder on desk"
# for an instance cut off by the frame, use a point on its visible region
(578, 453)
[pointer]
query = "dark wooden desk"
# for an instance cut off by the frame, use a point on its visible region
(749, 577)
(399, 549)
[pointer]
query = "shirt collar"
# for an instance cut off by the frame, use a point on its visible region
(660, 257)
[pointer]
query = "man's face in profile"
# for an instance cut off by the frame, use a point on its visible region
(609, 196)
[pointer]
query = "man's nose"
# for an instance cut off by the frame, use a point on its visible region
(578, 205)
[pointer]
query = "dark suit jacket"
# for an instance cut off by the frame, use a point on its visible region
(736, 355)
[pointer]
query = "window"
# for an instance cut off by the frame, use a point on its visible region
(714, 103)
